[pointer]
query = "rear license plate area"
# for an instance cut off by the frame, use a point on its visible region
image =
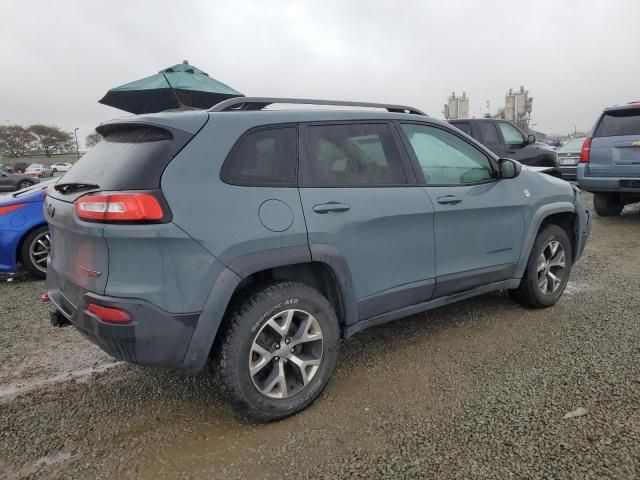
(630, 183)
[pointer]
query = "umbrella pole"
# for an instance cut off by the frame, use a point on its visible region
(173, 91)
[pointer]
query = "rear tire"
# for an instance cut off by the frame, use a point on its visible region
(548, 269)
(24, 184)
(278, 351)
(35, 250)
(607, 204)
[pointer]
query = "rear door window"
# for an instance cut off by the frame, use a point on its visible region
(265, 157)
(489, 133)
(618, 123)
(351, 155)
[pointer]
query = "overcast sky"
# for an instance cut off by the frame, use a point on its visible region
(575, 57)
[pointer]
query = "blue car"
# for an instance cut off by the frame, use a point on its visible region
(24, 233)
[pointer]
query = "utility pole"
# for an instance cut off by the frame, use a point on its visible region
(75, 133)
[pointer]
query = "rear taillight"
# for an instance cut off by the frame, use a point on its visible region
(109, 314)
(586, 150)
(11, 208)
(119, 207)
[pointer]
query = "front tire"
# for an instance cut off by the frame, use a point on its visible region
(607, 204)
(278, 351)
(548, 269)
(35, 250)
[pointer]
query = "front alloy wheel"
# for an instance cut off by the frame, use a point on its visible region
(547, 271)
(551, 263)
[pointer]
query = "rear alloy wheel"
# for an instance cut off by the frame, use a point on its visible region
(607, 204)
(548, 269)
(24, 184)
(278, 351)
(35, 251)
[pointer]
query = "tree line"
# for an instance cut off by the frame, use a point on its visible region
(18, 141)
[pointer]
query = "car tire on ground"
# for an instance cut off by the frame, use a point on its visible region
(547, 271)
(607, 204)
(35, 250)
(24, 184)
(278, 350)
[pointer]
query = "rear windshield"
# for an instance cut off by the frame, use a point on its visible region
(574, 146)
(620, 122)
(130, 158)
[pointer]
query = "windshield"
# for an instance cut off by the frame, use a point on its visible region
(574, 146)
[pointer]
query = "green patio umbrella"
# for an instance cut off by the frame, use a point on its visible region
(179, 86)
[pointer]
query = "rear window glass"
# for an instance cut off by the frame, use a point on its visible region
(131, 158)
(574, 146)
(465, 127)
(617, 123)
(267, 157)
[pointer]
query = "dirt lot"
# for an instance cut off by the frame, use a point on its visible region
(475, 390)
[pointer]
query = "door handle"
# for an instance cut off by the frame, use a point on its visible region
(512, 151)
(331, 207)
(449, 200)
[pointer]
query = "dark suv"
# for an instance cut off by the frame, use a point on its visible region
(257, 238)
(506, 140)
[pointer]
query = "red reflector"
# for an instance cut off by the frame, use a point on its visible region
(11, 208)
(109, 314)
(585, 152)
(44, 298)
(119, 207)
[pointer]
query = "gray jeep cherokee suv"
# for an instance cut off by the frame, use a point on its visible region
(252, 239)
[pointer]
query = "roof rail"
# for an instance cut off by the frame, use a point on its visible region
(258, 103)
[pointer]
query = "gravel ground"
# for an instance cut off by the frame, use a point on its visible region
(475, 390)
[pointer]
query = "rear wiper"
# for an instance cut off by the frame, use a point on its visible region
(74, 187)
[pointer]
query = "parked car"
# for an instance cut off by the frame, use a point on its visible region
(10, 182)
(506, 140)
(554, 143)
(6, 168)
(258, 238)
(60, 167)
(20, 167)
(39, 170)
(24, 235)
(610, 160)
(568, 158)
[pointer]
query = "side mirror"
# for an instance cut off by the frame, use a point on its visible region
(509, 168)
(531, 139)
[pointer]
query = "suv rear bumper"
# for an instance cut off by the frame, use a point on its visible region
(606, 184)
(154, 337)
